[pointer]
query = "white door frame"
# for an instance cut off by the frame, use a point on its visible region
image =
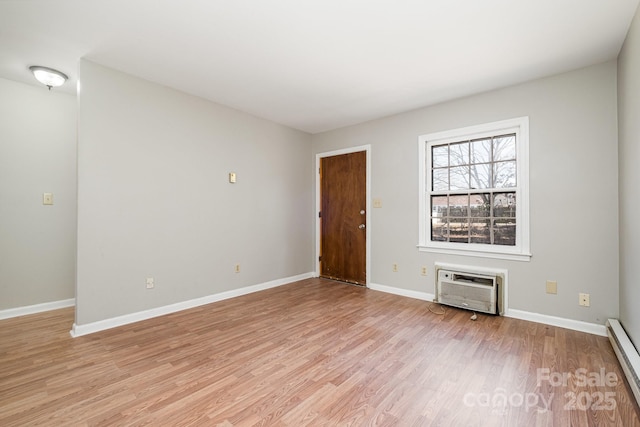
(319, 156)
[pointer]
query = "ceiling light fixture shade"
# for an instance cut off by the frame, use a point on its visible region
(48, 76)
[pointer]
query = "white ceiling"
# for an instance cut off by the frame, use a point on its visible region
(315, 65)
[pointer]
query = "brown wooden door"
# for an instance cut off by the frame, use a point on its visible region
(343, 195)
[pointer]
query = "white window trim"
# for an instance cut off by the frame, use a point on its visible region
(519, 252)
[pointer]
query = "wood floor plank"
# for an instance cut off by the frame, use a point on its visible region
(314, 352)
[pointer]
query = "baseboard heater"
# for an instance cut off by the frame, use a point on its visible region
(627, 355)
(471, 291)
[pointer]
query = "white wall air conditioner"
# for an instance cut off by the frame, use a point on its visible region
(476, 292)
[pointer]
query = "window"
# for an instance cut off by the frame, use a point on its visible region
(474, 190)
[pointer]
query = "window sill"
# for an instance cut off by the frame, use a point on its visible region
(511, 256)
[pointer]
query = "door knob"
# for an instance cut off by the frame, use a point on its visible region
(362, 212)
(361, 226)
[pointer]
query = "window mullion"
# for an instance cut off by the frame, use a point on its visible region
(491, 222)
(448, 217)
(469, 208)
(491, 194)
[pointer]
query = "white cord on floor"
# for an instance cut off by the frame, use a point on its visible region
(442, 309)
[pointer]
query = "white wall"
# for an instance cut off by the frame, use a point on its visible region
(629, 165)
(573, 187)
(154, 197)
(37, 155)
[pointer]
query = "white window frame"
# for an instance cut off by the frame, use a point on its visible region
(521, 250)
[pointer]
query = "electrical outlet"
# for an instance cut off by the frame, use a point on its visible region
(423, 271)
(237, 270)
(395, 267)
(150, 283)
(584, 300)
(552, 287)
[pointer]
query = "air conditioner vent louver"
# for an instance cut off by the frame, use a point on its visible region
(477, 292)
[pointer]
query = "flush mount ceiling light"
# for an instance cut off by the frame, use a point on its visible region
(48, 76)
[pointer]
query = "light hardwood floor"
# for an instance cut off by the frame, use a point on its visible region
(314, 352)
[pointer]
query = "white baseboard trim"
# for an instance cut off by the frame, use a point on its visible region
(101, 325)
(37, 308)
(402, 292)
(576, 325)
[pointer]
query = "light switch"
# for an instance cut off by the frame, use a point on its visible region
(232, 177)
(47, 198)
(377, 203)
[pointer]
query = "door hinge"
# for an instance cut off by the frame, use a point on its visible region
(319, 258)
(319, 214)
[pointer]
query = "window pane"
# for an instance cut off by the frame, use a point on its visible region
(504, 148)
(504, 174)
(440, 180)
(480, 205)
(459, 154)
(459, 178)
(480, 231)
(459, 205)
(481, 151)
(481, 176)
(459, 230)
(504, 231)
(440, 156)
(439, 206)
(504, 205)
(439, 229)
